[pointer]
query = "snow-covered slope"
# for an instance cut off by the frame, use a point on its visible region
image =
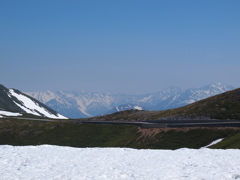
(54, 162)
(77, 104)
(13, 100)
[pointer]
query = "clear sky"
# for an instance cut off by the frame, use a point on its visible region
(129, 46)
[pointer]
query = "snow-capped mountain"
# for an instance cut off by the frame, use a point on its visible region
(192, 95)
(80, 104)
(15, 103)
(77, 104)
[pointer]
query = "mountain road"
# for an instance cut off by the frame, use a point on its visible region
(155, 123)
(171, 123)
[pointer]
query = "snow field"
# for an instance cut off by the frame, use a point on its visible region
(65, 163)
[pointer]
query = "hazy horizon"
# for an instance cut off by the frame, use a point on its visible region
(118, 92)
(132, 47)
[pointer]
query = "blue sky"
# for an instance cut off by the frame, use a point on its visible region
(129, 46)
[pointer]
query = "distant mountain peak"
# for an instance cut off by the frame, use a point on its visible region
(217, 85)
(221, 87)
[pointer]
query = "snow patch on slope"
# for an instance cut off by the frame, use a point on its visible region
(138, 108)
(7, 113)
(214, 142)
(117, 109)
(189, 101)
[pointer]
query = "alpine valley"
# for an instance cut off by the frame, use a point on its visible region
(81, 104)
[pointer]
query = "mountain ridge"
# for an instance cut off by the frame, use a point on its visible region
(81, 104)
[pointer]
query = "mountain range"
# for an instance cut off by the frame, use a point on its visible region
(224, 106)
(15, 103)
(81, 104)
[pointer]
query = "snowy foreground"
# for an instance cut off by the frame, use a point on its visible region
(55, 162)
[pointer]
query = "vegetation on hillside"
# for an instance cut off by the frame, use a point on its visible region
(231, 142)
(26, 132)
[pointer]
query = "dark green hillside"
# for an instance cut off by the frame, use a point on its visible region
(222, 106)
(231, 142)
(26, 132)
